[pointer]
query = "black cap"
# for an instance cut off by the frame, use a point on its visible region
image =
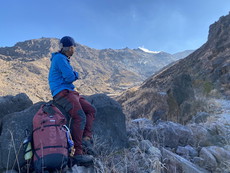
(67, 41)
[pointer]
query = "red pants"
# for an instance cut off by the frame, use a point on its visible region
(82, 114)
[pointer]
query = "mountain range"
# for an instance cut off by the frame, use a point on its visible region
(24, 68)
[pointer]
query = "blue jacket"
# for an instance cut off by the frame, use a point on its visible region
(61, 74)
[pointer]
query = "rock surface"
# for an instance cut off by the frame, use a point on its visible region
(109, 129)
(109, 125)
(165, 134)
(178, 164)
(10, 104)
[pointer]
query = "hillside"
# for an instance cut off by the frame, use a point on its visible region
(24, 68)
(174, 90)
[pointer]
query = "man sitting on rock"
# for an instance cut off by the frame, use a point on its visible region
(61, 78)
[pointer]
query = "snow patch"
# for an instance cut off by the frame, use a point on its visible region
(148, 51)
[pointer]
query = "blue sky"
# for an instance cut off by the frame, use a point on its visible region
(158, 25)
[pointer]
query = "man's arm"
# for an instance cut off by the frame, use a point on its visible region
(67, 71)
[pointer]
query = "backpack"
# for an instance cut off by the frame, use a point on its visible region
(50, 143)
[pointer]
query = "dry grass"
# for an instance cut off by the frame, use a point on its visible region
(127, 160)
(16, 153)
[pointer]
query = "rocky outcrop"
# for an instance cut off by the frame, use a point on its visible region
(207, 65)
(109, 129)
(180, 98)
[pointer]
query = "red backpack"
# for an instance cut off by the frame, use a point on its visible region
(49, 139)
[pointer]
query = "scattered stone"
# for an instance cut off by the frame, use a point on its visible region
(192, 151)
(198, 161)
(220, 154)
(81, 169)
(168, 134)
(154, 151)
(210, 162)
(187, 152)
(182, 151)
(145, 145)
(227, 147)
(209, 135)
(142, 122)
(200, 117)
(178, 164)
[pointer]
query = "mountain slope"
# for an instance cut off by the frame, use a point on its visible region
(205, 70)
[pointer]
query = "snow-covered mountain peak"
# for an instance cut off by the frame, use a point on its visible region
(148, 51)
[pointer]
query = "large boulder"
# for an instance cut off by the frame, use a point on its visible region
(210, 162)
(165, 134)
(187, 152)
(209, 134)
(10, 104)
(216, 159)
(180, 98)
(109, 125)
(109, 128)
(175, 163)
(12, 135)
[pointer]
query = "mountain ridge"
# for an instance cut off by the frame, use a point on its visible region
(25, 68)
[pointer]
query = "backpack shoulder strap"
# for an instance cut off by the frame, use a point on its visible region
(48, 108)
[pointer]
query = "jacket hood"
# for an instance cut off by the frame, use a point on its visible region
(52, 55)
(60, 54)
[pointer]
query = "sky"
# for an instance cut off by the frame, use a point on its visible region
(158, 25)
